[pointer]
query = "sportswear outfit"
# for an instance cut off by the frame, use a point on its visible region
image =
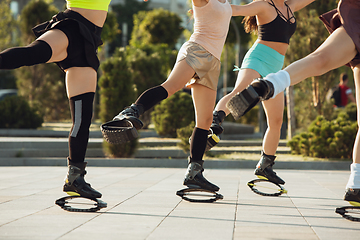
(202, 52)
(83, 40)
(262, 58)
(265, 60)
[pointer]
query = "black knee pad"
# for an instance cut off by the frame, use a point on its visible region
(81, 107)
(37, 52)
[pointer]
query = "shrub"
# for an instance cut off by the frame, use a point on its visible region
(173, 113)
(184, 134)
(327, 139)
(117, 91)
(15, 112)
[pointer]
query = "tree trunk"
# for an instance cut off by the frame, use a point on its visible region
(290, 102)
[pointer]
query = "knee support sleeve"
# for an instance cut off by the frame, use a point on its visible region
(198, 143)
(280, 80)
(37, 52)
(81, 108)
(354, 179)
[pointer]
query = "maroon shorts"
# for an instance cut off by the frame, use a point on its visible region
(347, 15)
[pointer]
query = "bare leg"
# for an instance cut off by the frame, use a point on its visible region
(356, 150)
(274, 109)
(337, 50)
(58, 43)
(204, 100)
(244, 78)
(80, 80)
(352, 194)
(178, 78)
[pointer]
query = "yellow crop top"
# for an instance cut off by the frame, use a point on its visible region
(89, 4)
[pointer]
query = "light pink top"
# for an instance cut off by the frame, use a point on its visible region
(211, 26)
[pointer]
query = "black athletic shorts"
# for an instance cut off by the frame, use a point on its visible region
(84, 38)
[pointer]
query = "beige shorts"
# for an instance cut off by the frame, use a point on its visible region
(206, 66)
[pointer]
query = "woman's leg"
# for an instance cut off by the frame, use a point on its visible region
(204, 100)
(274, 109)
(80, 86)
(244, 78)
(179, 76)
(337, 50)
(50, 47)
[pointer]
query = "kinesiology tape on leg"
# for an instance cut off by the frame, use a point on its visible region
(151, 97)
(81, 108)
(198, 143)
(37, 52)
(280, 80)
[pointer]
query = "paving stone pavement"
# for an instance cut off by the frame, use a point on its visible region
(142, 205)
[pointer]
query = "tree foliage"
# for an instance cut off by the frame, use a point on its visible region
(117, 91)
(310, 97)
(154, 27)
(8, 33)
(42, 85)
(15, 112)
(173, 113)
(124, 15)
(328, 138)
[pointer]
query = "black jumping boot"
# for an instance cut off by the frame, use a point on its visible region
(353, 196)
(264, 169)
(75, 184)
(218, 118)
(195, 179)
(132, 114)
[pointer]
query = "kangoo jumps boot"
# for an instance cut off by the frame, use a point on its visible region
(218, 118)
(132, 114)
(195, 179)
(264, 169)
(353, 196)
(75, 184)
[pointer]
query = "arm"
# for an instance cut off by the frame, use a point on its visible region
(350, 95)
(251, 9)
(296, 5)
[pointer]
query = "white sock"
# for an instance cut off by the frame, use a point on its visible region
(354, 179)
(280, 80)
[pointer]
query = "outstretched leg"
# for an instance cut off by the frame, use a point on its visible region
(50, 47)
(181, 73)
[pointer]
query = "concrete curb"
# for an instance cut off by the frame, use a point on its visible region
(178, 163)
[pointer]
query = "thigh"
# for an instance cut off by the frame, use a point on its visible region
(338, 48)
(178, 77)
(80, 80)
(58, 43)
(244, 78)
(204, 101)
